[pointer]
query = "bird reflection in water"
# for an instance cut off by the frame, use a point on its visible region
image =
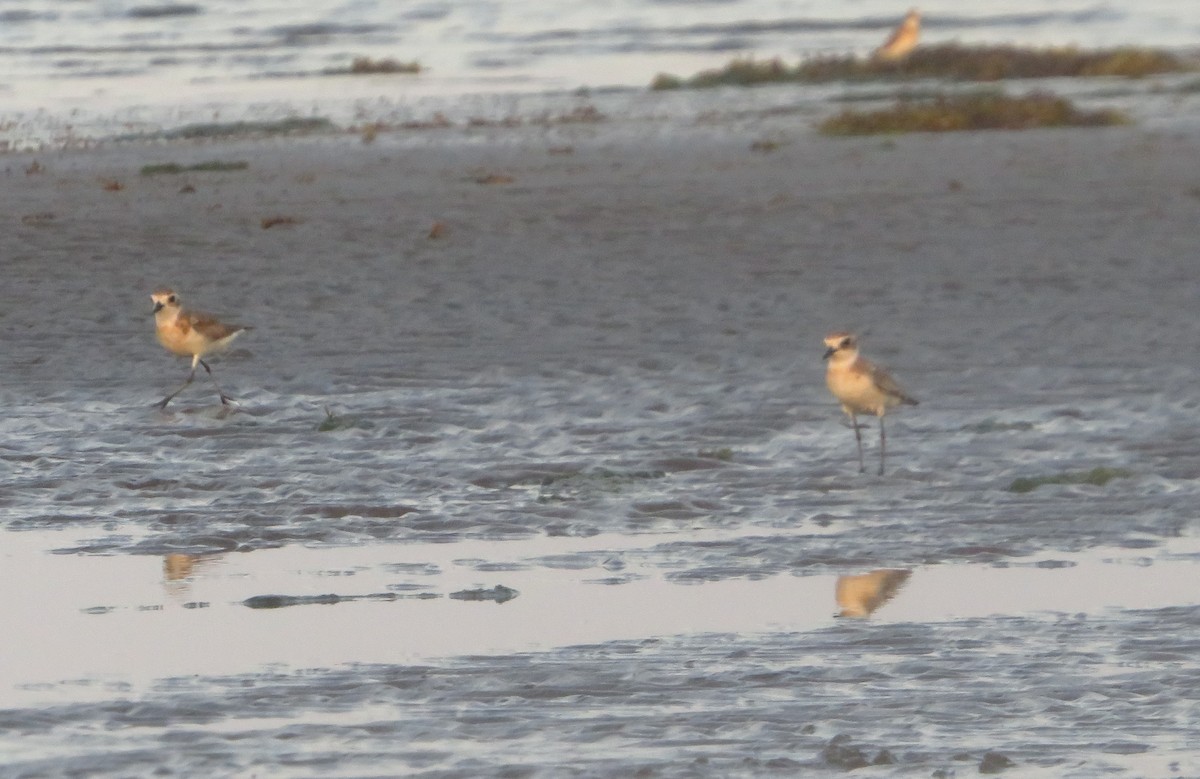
(178, 569)
(860, 595)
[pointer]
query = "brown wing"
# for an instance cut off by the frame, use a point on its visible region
(885, 382)
(211, 327)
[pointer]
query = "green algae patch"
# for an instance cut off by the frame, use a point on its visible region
(742, 72)
(576, 484)
(994, 63)
(1096, 477)
(986, 110)
(292, 126)
(996, 426)
(333, 422)
(361, 66)
(951, 61)
(213, 166)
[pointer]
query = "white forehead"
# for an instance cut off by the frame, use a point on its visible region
(835, 339)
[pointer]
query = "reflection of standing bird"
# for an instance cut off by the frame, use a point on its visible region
(179, 570)
(178, 566)
(902, 40)
(862, 387)
(190, 334)
(861, 595)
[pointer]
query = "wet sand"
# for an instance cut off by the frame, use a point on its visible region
(599, 383)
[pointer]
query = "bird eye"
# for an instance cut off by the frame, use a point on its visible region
(171, 299)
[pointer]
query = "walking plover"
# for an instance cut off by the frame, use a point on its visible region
(861, 387)
(190, 334)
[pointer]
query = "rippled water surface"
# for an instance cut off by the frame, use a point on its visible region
(79, 73)
(562, 486)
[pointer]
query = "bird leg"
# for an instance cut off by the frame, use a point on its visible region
(163, 403)
(224, 398)
(882, 444)
(858, 437)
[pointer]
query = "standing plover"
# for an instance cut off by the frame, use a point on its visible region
(862, 388)
(190, 334)
(902, 40)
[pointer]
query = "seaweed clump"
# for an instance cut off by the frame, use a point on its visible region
(986, 110)
(1097, 477)
(361, 66)
(952, 61)
(291, 126)
(172, 168)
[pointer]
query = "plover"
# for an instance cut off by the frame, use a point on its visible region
(861, 387)
(190, 334)
(902, 40)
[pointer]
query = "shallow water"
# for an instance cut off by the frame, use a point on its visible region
(602, 388)
(731, 675)
(75, 74)
(491, 45)
(424, 602)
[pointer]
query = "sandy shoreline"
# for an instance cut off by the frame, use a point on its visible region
(553, 239)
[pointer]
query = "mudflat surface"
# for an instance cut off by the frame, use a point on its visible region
(600, 385)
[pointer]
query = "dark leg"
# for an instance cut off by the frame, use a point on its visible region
(224, 398)
(163, 403)
(882, 444)
(858, 437)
